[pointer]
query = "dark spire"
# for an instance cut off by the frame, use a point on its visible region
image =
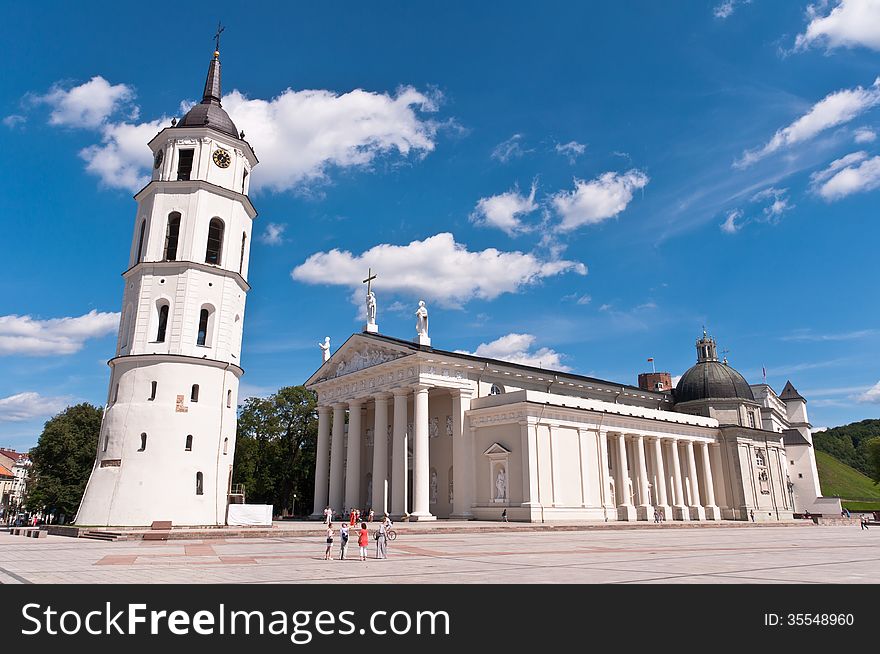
(790, 393)
(209, 112)
(212, 93)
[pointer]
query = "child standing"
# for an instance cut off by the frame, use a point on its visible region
(329, 541)
(363, 541)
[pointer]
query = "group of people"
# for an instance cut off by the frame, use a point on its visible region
(659, 517)
(363, 538)
(354, 516)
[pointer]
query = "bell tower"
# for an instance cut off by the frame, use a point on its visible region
(167, 439)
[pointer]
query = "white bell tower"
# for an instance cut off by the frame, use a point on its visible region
(168, 436)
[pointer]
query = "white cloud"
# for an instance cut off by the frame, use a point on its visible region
(730, 226)
(864, 135)
(300, 135)
(572, 150)
(437, 269)
(675, 380)
(834, 109)
(849, 24)
(809, 335)
(273, 234)
(123, 158)
(87, 105)
(26, 336)
(777, 205)
(509, 149)
(872, 395)
(30, 405)
(14, 120)
(517, 348)
(598, 199)
(851, 174)
(584, 299)
(505, 210)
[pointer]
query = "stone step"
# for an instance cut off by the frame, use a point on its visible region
(110, 536)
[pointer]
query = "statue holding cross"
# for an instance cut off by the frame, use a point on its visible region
(371, 325)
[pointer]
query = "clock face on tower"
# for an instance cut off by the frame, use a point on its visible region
(158, 160)
(222, 158)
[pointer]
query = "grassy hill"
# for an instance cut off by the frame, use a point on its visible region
(849, 443)
(840, 480)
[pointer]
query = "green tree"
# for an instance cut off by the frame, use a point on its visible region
(275, 449)
(63, 459)
(873, 449)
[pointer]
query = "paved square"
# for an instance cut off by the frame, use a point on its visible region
(728, 555)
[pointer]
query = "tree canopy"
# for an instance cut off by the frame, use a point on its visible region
(873, 449)
(275, 449)
(63, 459)
(849, 443)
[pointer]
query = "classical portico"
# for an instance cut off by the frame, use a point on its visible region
(414, 431)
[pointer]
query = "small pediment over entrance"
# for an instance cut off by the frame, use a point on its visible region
(496, 449)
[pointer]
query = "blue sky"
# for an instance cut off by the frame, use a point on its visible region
(578, 185)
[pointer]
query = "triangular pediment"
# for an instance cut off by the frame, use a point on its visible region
(495, 449)
(357, 353)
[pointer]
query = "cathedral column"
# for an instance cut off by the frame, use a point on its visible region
(336, 450)
(380, 455)
(696, 509)
(645, 509)
(353, 462)
(679, 510)
(529, 444)
(322, 462)
(712, 510)
(660, 498)
(625, 509)
(399, 467)
(462, 446)
(421, 463)
(605, 474)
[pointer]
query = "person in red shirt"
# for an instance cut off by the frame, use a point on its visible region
(351, 518)
(363, 540)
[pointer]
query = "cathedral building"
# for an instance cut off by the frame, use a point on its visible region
(167, 439)
(416, 431)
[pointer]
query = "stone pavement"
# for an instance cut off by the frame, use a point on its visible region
(726, 554)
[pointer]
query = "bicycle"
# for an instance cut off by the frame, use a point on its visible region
(390, 534)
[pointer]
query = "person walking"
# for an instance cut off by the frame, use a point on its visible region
(370, 515)
(752, 514)
(504, 516)
(343, 540)
(656, 516)
(329, 541)
(363, 541)
(864, 523)
(382, 542)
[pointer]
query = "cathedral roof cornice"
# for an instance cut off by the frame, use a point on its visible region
(192, 185)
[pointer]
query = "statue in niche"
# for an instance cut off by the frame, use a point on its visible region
(501, 485)
(449, 425)
(434, 486)
(369, 437)
(434, 428)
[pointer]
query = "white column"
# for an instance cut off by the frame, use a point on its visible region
(660, 498)
(605, 474)
(399, 464)
(421, 462)
(529, 445)
(625, 509)
(679, 510)
(645, 509)
(380, 455)
(712, 510)
(322, 463)
(462, 475)
(353, 462)
(697, 511)
(336, 463)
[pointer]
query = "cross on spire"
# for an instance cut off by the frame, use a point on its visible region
(368, 281)
(220, 29)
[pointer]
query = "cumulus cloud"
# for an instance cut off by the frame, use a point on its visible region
(864, 135)
(730, 226)
(24, 335)
(517, 348)
(509, 149)
(437, 269)
(834, 109)
(572, 150)
(273, 234)
(725, 9)
(872, 395)
(854, 173)
(123, 160)
(596, 200)
(851, 23)
(86, 105)
(777, 203)
(505, 211)
(30, 405)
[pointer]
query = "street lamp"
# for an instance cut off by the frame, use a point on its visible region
(294, 505)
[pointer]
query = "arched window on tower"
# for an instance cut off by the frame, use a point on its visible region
(228, 399)
(172, 234)
(141, 241)
(189, 443)
(225, 446)
(143, 442)
(496, 389)
(244, 182)
(163, 323)
(200, 484)
(194, 394)
(126, 326)
(206, 326)
(241, 261)
(215, 241)
(153, 386)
